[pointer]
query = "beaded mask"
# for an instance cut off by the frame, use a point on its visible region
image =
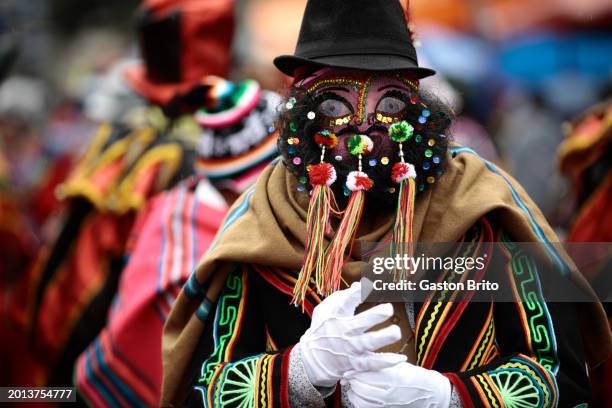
(360, 123)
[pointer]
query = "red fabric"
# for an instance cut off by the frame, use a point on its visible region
(44, 201)
(594, 222)
(178, 228)
(206, 34)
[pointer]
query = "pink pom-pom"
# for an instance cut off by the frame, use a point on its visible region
(358, 180)
(402, 171)
(322, 173)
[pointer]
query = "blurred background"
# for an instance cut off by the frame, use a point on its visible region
(514, 71)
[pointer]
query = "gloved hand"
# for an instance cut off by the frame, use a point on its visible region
(336, 342)
(401, 386)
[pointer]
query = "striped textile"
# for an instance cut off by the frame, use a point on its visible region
(122, 367)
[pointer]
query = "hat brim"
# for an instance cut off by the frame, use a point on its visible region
(156, 93)
(287, 64)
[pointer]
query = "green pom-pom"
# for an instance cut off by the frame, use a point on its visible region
(399, 132)
(359, 144)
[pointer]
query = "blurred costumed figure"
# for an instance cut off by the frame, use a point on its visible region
(111, 200)
(236, 140)
(268, 317)
(585, 157)
(18, 242)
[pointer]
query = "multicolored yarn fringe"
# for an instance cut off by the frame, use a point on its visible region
(321, 176)
(335, 254)
(317, 223)
(358, 183)
(402, 243)
(403, 174)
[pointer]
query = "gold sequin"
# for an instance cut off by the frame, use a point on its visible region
(431, 179)
(384, 160)
(431, 142)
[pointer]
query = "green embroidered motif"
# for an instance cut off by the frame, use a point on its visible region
(225, 325)
(541, 330)
(237, 384)
(516, 389)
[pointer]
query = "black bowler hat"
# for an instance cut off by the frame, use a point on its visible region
(360, 34)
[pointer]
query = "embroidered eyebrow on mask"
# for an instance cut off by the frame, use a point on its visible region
(334, 88)
(382, 88)
(334, 82)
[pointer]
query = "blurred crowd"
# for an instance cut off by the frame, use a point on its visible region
(530, 82)
(514, 76)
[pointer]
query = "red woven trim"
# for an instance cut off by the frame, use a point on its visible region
(458, 384)
(284, 380)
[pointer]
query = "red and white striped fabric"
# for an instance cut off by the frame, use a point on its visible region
(122, 367)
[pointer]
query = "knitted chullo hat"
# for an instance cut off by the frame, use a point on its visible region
(238, 132)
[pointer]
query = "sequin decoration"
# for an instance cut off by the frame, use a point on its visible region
(311, 115)
(431, 142)
(422, 119)
(347, 192)
(431, 179)
(426, 165)
(301, 188)
(384, 160)
(391, 190)
(297, 161)
(372, 162)
(293, 127)
(425, 113)
(338, 158)
(428, 153)
(291, 150)
(418, 138)
(436, 159)
(303, 180)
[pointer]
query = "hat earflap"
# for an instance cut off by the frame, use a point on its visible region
(321, 177)
(403, 174)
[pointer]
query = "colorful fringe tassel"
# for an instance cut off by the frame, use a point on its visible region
(317, 222)
(344, 237)
(402, 242)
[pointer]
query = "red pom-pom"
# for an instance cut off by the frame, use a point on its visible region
(322, 173)
(326, 138)
(402, 171)
(358, 180)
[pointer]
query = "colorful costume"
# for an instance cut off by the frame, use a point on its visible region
(230, 334)
(63, 301)
(266, 319)
(122, 366)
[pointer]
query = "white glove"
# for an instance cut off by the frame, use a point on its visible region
(336, 342)
(400, 386)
